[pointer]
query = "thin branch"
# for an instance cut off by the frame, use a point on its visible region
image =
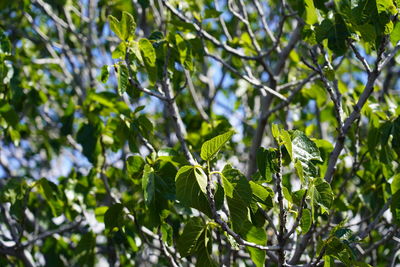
(208, 36)
(297, 222)
(49, 233)
(268, 218)
(282, 212)
(195, 97)
(253, 81)
(267, 30)
(360, 57)
(372, 225)
(382, 64)
(166, 252)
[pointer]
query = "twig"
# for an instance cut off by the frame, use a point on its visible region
(248, 79)
(49, 233)
(359, 56)
(282, 212)
(195, 97)
(372, 225)
(296, 223)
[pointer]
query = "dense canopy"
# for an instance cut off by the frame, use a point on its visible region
(199, 133)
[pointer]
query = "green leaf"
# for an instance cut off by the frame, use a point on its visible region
(191, 183)
(204, 250)
(395, 185)
(5, 44)
(265, 163)
(104, 74)
(310, 13)
(212, 13)
(8, 112)
(51, 194)
(124, 29)
(134, 165)
(306, 151)
(134, 48)
(115, 26)
(123, 78)
(228, 187)
(148, 184)
(88, 137)
(395, 35)
(258, 236)
(85, 250)
(119, 51)
(386, 6)
(287, 194)
(167, 233)
(287, 142)
(338, 35)
(261, 194)
(329, 261)
(181, 47)
(127, 26)
(299, 170)
(114, 217)
(275, 131)
(305, 221)
(13, 190)
(395, 207)
(242, 196)
(148, 52)
(321, 194)
(156, 36)
(149, 59)
(211, 147)
(187, 242)
(99, 213)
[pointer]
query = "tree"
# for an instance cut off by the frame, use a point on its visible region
(207, 133)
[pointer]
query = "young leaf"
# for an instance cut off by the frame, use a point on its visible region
(228, 187)
(148, 184)
(275, 131)
(321, 194)
(127, 26)
(303, 148)
(211, 147)
(395, 35)
(311, 16)
(115, 26)
(265, 163)
(287, 142)
(306, 151)
(124, 29)
(395, 185)
(104, 74)
(305, 221)
(148, 52)
(149, 58)
(122, 78)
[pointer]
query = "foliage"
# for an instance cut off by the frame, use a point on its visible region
(199, 133)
